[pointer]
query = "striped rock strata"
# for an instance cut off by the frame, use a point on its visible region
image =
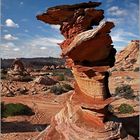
(89, 53)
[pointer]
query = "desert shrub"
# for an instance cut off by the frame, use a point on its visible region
(67, 87)
(3, 76)
(12, 109)
(27, 78)
(125, 108)
(122, 69)
(59, 89)
(61, 77)
(68, 72)
(124, 91)
(137, 69)
(2, 107)
(4, 71)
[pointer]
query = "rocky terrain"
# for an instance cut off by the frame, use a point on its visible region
(129, 58)
(46, 104)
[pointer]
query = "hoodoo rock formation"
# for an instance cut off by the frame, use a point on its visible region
(17, 71)
(89, 54)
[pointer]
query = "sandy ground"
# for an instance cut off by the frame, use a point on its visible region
(25, 127)
(124, 77)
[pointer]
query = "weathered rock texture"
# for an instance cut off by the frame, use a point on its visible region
(129, 57)
(89, 53)
(17, 71)
(45, 80)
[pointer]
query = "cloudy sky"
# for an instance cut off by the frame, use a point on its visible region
(24, 36)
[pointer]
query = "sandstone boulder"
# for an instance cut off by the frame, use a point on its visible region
(45, 80)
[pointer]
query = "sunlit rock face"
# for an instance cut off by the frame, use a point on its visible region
(129, 58)
(89, 53)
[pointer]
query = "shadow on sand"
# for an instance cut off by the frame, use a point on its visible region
(24, 126)
(130, 124)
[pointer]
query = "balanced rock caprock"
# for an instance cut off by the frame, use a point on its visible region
(17, 71)
(89, 53)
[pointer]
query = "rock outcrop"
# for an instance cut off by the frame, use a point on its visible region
(129, 58)
(17, 71)
(89, 54)
(45, 80)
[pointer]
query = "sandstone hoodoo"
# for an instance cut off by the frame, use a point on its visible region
(18, 72)
(89, 53)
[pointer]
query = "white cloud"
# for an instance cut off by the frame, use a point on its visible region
(11, 23)
(10, 50)
(121, 38)
(45, 41)
(10, 37)
(121, 35)
(16, 49)
(9, 45)
(40, 46)
(116, 11)
(118, 20)
(57, 27)
(43, 48)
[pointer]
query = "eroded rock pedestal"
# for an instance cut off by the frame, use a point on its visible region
(89, 54)
(18, 71)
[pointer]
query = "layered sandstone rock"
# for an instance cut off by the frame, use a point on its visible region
(17, 71)
(89, 53)
(129, 57)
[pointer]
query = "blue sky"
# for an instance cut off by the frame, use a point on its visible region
(24, 36)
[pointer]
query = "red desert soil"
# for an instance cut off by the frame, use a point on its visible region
(25, 127)
(124, 77)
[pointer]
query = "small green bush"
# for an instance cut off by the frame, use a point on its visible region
(61, 77)
(67, 87)
(59, 89)
(12, 109)
(27, 78)
(125, 108)
(3, 76)
(137, 69)
(125, 91)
